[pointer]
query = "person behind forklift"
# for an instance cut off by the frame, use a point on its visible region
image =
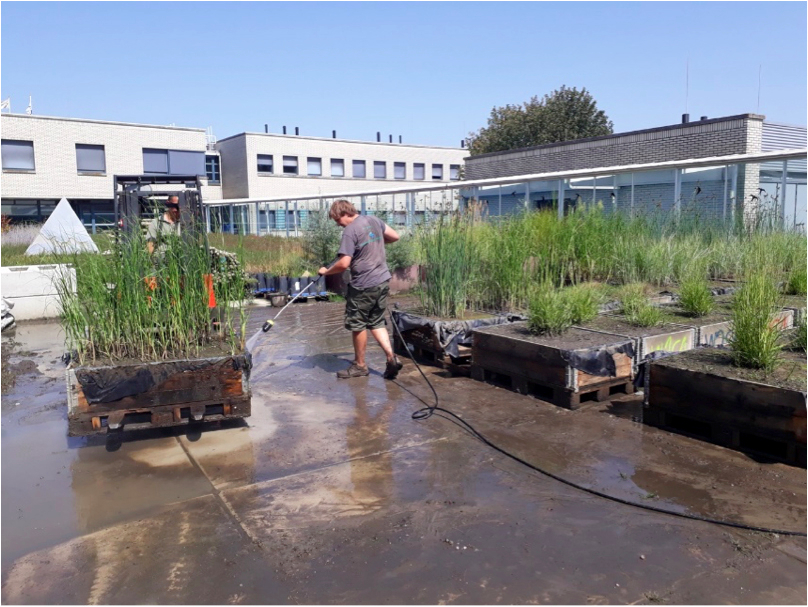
(163, 227)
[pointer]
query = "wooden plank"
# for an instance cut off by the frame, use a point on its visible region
(624, 369)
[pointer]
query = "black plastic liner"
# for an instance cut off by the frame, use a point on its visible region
(598, 361)
(451, 333)
(108, 384)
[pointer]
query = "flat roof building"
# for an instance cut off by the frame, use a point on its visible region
(46, 158)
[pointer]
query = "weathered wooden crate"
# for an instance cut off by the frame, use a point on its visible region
(425, 345)
(732, 412)
(157, 394)
(509, 355)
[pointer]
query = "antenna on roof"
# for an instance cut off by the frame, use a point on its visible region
(30, 109)
(687, 82)
(5, 105)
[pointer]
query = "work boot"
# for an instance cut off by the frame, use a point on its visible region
(353, 371)
(392, 369)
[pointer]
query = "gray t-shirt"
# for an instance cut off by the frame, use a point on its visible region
(363, 241)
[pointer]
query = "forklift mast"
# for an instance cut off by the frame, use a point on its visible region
(134, 194)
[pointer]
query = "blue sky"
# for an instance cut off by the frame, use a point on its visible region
(430, 72)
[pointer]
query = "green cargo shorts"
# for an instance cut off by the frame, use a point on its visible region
(365, 308)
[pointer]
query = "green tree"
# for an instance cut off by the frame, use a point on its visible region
(562, 115)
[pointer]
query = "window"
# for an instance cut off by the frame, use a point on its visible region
(454, 172)
(359, 169)
(400, 170)
(212, 170)
(90, 158)
(419, 171)
(315, 166)
(173, 162)
(379, 169)
(181, 162)
(337, 167)
(437, 171)
(290, 165)
(265, 163)
(155, 161)
(18, 155)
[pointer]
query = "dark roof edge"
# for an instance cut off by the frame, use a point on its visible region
(627, 133)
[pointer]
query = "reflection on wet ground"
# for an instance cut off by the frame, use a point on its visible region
(330, 492)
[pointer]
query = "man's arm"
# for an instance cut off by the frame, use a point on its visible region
(338, 268)
(390, 235)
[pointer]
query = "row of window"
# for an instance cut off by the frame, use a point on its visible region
(314, 168)
(91, 160)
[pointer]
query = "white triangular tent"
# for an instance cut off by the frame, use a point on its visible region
(63, 232)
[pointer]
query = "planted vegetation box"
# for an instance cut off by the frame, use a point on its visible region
(566, 369)
(703, 394)
(442, 341)
(155, 334)
(138, 395)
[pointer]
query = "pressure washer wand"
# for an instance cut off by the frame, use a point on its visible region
(271, 322)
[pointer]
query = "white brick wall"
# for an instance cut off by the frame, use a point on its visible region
(55, 142)
(240, 165)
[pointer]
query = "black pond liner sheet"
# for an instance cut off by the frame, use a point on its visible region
(108, 384)
(451, 333)
(598, 361)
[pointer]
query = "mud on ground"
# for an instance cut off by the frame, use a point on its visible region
(332, 493)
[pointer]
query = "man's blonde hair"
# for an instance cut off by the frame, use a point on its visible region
(341, 208)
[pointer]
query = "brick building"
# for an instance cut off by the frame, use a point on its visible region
(704, 188)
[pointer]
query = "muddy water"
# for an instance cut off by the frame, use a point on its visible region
(330, 492)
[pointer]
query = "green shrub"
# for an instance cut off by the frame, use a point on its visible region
(756, 337)
(321, 239)
(402, 254)
(549, 312)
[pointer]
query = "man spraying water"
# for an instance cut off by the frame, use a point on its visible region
(362, 250)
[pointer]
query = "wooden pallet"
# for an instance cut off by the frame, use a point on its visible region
(423, 353)
(201, 390)
(562, 397)
(728, 435)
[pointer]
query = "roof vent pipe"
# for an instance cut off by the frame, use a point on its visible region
(378, 137)
(297, 131)
(462, 143)
(284, 130)
(391, 139)
(399, 138)
(685, 118)
(333, 134)
(266, 128)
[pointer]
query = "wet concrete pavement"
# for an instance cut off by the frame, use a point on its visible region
(331, 493)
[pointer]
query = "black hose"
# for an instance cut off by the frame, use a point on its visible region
(429, 411)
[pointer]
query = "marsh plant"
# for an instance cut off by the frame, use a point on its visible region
(636, 307)
(695, 297)
(450, 264)
(131, 305)
(549, 312)
(552, 311)
(756, 339)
